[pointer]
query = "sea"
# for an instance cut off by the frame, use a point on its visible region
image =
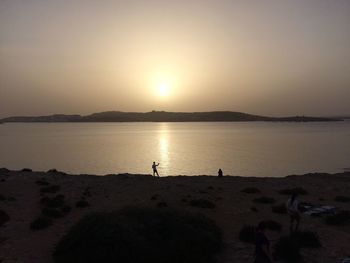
(261, 149)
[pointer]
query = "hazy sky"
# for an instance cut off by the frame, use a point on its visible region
(265, 57)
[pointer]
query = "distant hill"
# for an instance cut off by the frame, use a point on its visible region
(163, 116)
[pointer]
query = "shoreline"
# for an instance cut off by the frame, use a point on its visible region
(21, 192)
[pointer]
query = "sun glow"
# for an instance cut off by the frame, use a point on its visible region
(163, 86)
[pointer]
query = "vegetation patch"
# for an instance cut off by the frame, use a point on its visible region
(82, 203)
(287, 250)
(202, 203)
(42, 182)
(273, 225)
(340, 218)
(27, 170)
(57, 201)
(50, 189)
(247, 234)
(4, 217)
(250, 190)
(296, 190)
(140, 235)
(307, 239)
(341, 198)
(40, 223)
(162, 204)
(279, 209)
(264, 200)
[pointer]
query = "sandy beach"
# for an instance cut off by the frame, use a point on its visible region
(21, 194)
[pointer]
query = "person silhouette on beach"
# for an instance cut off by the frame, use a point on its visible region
(292, 206)
(154, 168)
(220, 173)
(262, 245)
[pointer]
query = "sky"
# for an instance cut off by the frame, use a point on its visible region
(267, 57)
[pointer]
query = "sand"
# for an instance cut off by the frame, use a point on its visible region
(18, 243)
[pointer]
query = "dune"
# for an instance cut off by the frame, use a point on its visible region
(65, 199)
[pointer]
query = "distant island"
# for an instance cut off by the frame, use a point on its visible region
(163, 116)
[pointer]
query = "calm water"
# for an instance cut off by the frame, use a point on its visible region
(247, 149)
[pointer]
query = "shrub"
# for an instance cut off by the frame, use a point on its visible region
(52, 212)
(247, 234)
(279, 209)
(307, 239)
(42, 182)
(264, 200)
(340, 218)
(27, 170)
(273, 225)
(57, 201)
(254, 209)
(82, 203)
(296, 190)
(250, 190)
(41, 223)
(52, 171)
(4, 217)
(140, 235)
(341, 198)
(50, 189)
(202, 203)
(287, 250)
(162, 204)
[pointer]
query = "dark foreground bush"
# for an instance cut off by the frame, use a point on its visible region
(82, 203)
(4, 217)
(50, 189)
(340, 218)
(42, 182)
(140, 235)
(247, 234)
(27, 170)
(202, 203)
(341, 198)
(273, 225)
(307, 239)
(287, 250)
(279, 209)
(296, 190)
(264, 200)
(54, 202)
(41, 222)
(250, 190)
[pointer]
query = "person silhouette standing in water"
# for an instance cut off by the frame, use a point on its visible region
(154, 168)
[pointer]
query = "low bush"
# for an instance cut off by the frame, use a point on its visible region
(41, 223)
(4, 217)
(202, 203)
(52, 212)
(162, 204)
(140, 235)
(50, 189)
(42, 182)
(296, 190)
(82, 203)
(287, 250)
(57, 201)
(264, 200)
(307, 239)
(27, 170)
(250, 190)
(340, 218)
(247, 234)
(341, 198)
(279, 209)
(273, 225)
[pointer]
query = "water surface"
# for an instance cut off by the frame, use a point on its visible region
(238, 148)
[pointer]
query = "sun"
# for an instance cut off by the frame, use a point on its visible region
(163, 89)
